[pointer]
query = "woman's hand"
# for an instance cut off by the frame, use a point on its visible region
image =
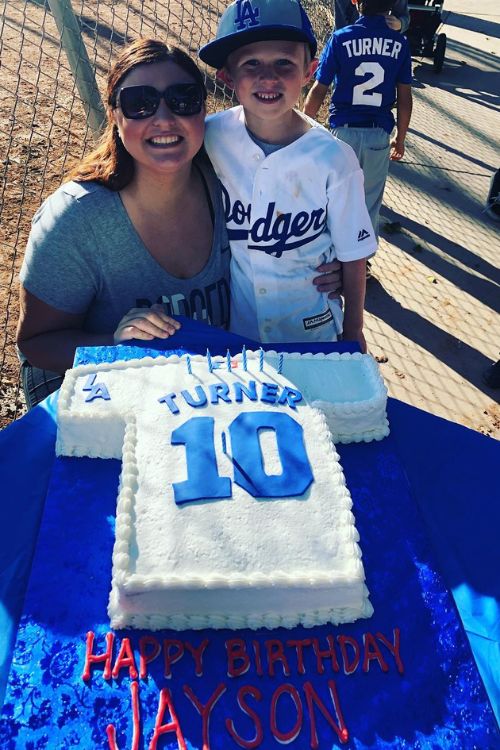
(146, 323)
(330, 280)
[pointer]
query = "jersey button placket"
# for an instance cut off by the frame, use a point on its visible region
(260, 204)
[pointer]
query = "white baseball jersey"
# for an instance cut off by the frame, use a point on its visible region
(286, 214)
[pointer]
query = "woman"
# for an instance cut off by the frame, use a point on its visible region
(138, 232)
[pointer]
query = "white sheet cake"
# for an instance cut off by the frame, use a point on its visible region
(232, 510)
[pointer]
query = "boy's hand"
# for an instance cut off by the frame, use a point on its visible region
(393, 22)
(330, 280)
(397, 149)
(358, 336)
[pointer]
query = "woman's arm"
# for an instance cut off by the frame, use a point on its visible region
(49, 337)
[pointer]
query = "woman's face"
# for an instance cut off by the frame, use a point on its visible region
(163, 143)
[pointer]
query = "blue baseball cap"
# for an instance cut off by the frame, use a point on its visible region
(248, 21)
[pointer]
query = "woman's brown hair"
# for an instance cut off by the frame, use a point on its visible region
(110, 164)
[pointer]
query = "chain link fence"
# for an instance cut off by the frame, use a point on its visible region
(54, 58)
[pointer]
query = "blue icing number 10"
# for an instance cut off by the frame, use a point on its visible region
(204, 481)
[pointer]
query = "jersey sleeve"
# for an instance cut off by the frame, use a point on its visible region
(210, 142)
(218, 128)
(348, 220)
(405, 74)
(325, 73)
(57, 266)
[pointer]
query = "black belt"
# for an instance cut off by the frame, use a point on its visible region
(365, 124)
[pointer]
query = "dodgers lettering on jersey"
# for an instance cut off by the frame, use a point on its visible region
(276, 231)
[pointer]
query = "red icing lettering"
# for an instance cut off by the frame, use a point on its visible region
(236, 651)
(172, 726)
(394, 649)
(111, 731)
(344, 641)
(206, 710)
(169, 659)
(125, 659)
(105, 657)
(247, 744)
(299, 648)
(338, 726)
(289, 736)
(197, 654)
(372, 651)
(258, 661)
(276, 653)
(145, 657)
(328, 654)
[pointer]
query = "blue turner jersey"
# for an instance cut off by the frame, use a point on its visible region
(365, 62)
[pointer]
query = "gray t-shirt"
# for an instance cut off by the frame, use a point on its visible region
(84, 255)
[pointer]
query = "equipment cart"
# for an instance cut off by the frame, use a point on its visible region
(425, 19)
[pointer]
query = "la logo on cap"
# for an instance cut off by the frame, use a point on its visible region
(247, 16)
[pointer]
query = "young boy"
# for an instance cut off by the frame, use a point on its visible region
(369, 63)
(293, 194)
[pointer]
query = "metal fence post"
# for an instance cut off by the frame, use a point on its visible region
(83, 72)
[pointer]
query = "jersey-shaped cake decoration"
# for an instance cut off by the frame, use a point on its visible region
(232, 507)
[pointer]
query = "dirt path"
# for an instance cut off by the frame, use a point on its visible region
(433, 307)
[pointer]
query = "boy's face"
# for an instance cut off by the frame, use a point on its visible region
(268, 77)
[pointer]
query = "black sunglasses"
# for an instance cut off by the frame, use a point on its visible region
(139, 102)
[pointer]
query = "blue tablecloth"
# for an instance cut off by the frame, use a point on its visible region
(452, 472)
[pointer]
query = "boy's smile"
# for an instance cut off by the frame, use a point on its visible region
(267, 78)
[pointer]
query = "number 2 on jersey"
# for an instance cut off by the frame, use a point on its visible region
(362, 93)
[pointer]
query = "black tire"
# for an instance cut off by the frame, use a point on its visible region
(428, 49)
(439, 53)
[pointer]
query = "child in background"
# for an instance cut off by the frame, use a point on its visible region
(293, 194)
(398, 20)
(370, 66)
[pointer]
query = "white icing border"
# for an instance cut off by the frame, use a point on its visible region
(233, 621)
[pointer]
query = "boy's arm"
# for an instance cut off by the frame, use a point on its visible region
(315, 98)
(404, 107)
(354, 289)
